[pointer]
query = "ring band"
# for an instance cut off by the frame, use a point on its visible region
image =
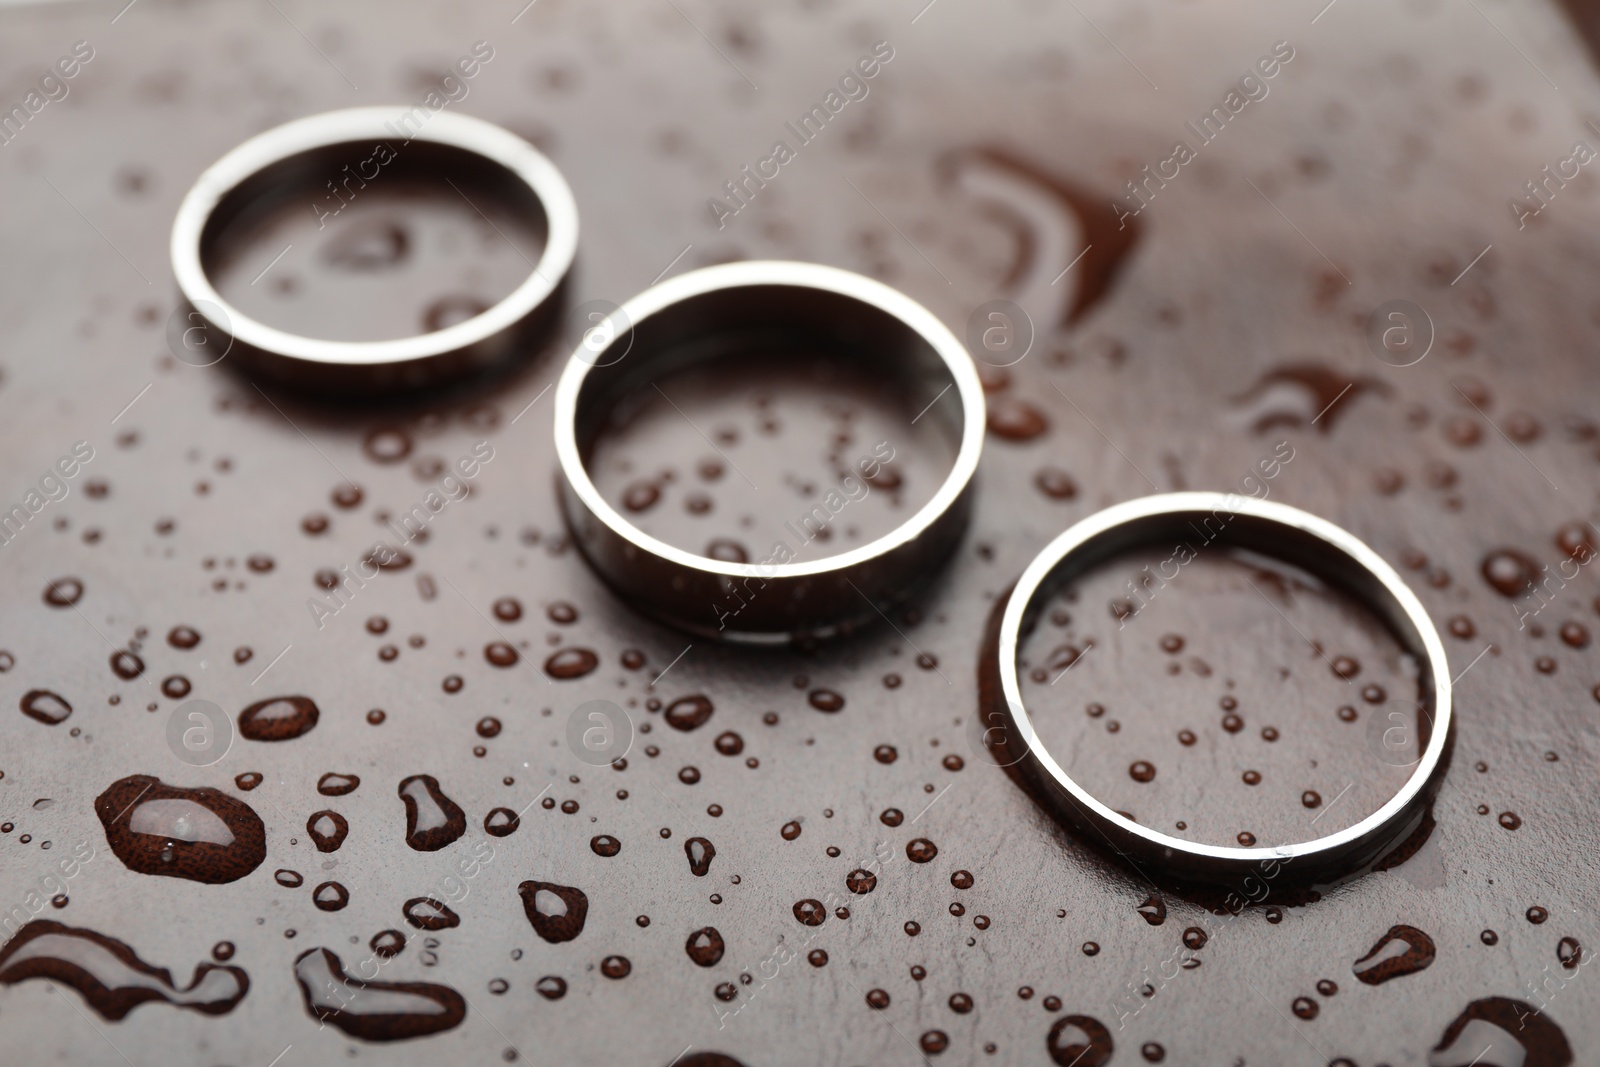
(1277, 530)
(305, 151)
(701, 315)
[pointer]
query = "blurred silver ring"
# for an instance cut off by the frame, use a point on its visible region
(1275, 530)
(683, 319)
(262, 164)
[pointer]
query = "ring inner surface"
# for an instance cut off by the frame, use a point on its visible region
(1225, 679)
(768, 424)
(373, 240)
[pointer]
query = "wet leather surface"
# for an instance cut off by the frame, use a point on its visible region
(1179, 351)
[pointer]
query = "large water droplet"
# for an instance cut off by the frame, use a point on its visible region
(201, 834)
(1079, 1041)
(700, 852)
(1403, 950)
(570, 663)
(689, 713)
(426, 913)
(126, 665)
(1505, 1024)
(705, 946)
(557, 912)
(45, 706)
(433, 820)
(109, 975)
(337, 785)
(278, 719)
(374, 1011)
(327, 830)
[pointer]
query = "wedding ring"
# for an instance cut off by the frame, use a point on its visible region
(264, 171)
(769, 310)
(1274, 530)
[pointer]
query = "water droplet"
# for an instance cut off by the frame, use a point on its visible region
(368, 245)
(433, 820)
(825, 700)
(700, 852)
(1154, 910)
(1509, 572)
(109, 975)
(1403, 950)
(1079, 1041)
(1194, 938)
(201, 834)
(374, 1011)
(426, 913)
(550, 987)
(1537, 915)
(63, 592)
(860, 881)
(126, 665)
(810, 912)
(1510, 820)
(45, 706)
(387, 944)
(1305, 1007)
(640, 496)
(1500, 1022)
(689, 713)
(1011, 419)
(877, 999)
(278, 718)
(1569, 952)
(501, 822)
(705, 946)
(934, 1042)
(1142, 771)
(570, 663)
(790, 830)
(500, 654)
(921, 850)
(962, 879)
(891, 817)
(1055, 483)
(330, 896)
(616, 967)
(337, 785)
(287, 878)
(328, 830)
(557, 912)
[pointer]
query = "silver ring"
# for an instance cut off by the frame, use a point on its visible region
(1275, 530)
(699, 315)
(314, 148)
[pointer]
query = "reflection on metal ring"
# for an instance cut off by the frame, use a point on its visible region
(263, 168)
(1276, 530)
(705, 313)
